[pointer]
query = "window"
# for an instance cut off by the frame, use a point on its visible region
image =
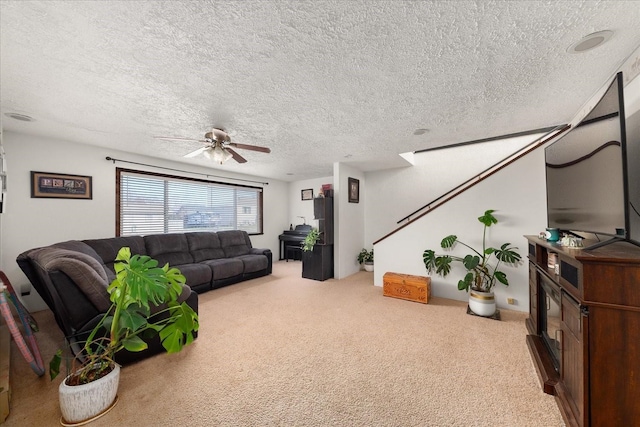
(150, 203)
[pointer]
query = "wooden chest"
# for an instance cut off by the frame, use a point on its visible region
(406, 286)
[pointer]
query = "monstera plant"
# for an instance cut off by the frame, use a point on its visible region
(144, 299)
(481, 264)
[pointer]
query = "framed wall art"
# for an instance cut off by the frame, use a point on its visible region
(354, 190)
(307, 194)
(60, 186)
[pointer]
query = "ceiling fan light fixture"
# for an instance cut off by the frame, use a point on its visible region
(227, 156)
(217, 154)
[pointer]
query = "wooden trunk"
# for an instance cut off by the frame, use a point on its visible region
(406, 286)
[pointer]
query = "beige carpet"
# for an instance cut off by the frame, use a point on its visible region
(286, 351)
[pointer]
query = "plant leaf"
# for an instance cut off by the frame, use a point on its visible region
(429, 259)
(176, 335)
(448, 241)
(488, 219)
(502, 278)
(54, 364)
(443, 265)
(132, 320)
(134, 343)
(507, 254)
(463, 285)
(470, 262)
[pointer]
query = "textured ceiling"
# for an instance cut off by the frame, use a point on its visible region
(316, 81)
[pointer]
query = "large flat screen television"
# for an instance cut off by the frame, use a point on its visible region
(587, 173)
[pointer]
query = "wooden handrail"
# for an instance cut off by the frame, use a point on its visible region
(501, 164)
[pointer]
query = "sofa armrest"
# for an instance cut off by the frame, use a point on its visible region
(267, 253)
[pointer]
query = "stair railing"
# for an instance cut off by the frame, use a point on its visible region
(500, 164)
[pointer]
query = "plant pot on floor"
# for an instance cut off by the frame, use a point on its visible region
(482, 303)
(368, 266)
(85, 402)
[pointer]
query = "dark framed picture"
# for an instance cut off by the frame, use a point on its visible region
(354, 190)
(307, 194)
(60, 186)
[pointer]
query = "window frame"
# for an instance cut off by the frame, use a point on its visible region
(120, 171)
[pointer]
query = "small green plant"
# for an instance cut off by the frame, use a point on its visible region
(365, 256)
(481, 275)
(139, 285)
(312, 238)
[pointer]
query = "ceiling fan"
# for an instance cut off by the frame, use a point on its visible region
(217, 146)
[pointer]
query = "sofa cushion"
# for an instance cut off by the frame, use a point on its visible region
(87, 276)
(168, 248)
(225, 268)
(108, 249)
(78, 246)
(82, 247)
(253, 263)
(195, 274)
(204, 246)
(87, 273)
(234, 243)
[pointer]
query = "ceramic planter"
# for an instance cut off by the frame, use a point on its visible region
(85, 402)
(368, 266)
(482, 303)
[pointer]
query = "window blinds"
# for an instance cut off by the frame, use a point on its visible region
(152, 204)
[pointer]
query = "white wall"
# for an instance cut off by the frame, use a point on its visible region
(350, 219)
(518, 195)
(393, 194)
(29, 223)
(518, 192)
(304, 208)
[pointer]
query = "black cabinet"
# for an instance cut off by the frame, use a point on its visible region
(318, 264)
(323, 212)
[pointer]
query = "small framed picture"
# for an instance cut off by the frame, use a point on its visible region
(59, 185)
(354, 190)
(307, 194)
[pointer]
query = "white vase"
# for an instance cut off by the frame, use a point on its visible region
(482, 303)
(368, 266)
(84, 402)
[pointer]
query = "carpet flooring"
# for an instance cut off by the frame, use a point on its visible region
(286, 351)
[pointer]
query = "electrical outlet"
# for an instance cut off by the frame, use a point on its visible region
(511, 301)
(25, 290)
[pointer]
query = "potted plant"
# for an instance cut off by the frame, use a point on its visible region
(314, 257)
(366, 257)
(481, 266)
(144, 299)
(310, 240)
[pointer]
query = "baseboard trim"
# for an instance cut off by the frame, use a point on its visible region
(5, 367)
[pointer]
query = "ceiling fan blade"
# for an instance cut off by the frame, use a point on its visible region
(250, 147)
(237, 157)
(198, 151)
(173, 138)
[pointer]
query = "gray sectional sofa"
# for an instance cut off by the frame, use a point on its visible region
(72, 277)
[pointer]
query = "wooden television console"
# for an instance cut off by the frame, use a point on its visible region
(588, 353)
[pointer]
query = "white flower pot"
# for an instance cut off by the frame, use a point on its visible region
(368, 266)
(482, 303)
(85, 402)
